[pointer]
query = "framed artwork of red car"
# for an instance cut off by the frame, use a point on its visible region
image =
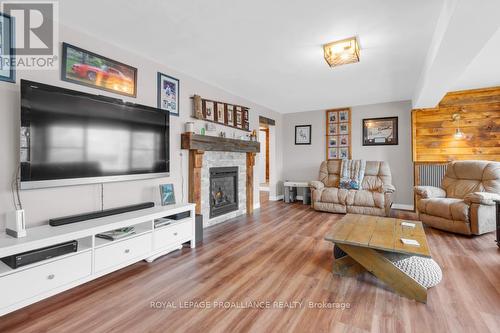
(93, 70)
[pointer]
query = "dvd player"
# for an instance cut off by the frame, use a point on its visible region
(33, 256)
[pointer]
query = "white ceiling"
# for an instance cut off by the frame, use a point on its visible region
(270, 51)
(484, 71)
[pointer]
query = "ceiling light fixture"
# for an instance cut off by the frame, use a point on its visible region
(341, 52)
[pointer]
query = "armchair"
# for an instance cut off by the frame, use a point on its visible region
(466, 202)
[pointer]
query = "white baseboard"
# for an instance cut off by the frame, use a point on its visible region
(264, 189)
(402, 206)
(276, 198)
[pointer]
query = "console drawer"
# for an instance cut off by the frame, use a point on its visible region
(172, 234)
(31, 282)
(115, 254)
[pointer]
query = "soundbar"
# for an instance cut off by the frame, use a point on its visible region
(95, 215)
(30, 257)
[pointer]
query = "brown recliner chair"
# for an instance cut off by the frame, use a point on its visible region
(374, 197)
(465, 201)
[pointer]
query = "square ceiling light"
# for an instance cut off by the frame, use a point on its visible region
(341, 52)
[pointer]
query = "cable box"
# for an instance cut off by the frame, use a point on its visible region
(33, 256)
(179, 216)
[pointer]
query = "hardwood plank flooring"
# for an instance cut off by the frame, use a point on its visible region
(277, 254)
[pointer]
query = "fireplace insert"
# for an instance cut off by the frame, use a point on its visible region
(223, 190)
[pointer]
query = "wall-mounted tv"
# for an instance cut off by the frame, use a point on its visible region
(71, 138)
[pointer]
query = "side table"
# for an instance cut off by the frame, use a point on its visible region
(291, 191)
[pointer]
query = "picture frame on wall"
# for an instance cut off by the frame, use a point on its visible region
(220, 113)
(90, 69)
(239, 117)
(338, 133)
(333, 129)
(333, 153)
(208, 110)
(7, 70)
(303, 134)
(332, 116)
(230, 114)
(380, 131)
(168, 94)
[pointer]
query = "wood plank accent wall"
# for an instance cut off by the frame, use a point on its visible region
(433, 129)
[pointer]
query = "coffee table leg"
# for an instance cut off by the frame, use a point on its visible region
(384, 270)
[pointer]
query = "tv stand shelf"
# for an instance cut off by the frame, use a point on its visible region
(95, 256)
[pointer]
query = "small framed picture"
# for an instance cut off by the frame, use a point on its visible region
(239, 117)
(303, 134)
(343, 141)
(168, 94)
(380, 131)
(209, 110)
(220, 113)
(333, 141)
(332, 116)
(333, 129)
(7, 53)
(343, 116)
(344, 128)
(343, 153)
(167, 194)
(333, 153)
(230, 115)
(245, 114)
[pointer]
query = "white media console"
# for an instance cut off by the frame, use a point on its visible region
(95, 256)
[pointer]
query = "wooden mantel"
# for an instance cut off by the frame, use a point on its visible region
(212, 143)
(198, 144)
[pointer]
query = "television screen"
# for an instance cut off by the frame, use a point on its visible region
(70, 138)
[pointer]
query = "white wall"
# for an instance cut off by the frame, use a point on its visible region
(262, 160)
(301, 162)
(42, 204)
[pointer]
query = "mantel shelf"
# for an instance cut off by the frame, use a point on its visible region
(212, 143)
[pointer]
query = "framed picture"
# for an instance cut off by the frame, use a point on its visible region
(7, 54)
(343, 141)
(167, 194)
(338, 133)
(245, 114)
(239, 116)
(303, 134)
(230, 115)
(380, 131)
(333, 153)
(333, 141)
(343, 153)
(333, 129)
(344, 128)
(208, 110)
(332, 116)
(90, 69)
(220, 113)
(168, 94)
(344, 116)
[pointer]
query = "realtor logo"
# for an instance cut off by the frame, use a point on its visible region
(35, 33)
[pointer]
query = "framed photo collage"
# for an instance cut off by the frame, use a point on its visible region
(338, 134)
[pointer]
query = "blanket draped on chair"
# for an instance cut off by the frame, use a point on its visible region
(351, 174)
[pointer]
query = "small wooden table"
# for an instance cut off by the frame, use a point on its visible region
(362, 237)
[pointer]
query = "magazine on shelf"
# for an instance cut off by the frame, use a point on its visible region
(117, 233)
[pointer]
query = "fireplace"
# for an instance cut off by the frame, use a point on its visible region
(223, 190)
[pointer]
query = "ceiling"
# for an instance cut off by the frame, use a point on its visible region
(270, 51)
(484, 71)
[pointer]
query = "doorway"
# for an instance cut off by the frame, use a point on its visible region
(265, 159)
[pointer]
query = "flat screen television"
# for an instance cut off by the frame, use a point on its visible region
(71, 138)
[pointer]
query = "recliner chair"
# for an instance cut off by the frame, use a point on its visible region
(464, 203)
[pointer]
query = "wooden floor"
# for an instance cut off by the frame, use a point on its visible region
(278, 254)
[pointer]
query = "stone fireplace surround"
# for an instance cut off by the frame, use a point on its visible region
(212, 159)
(208, 151)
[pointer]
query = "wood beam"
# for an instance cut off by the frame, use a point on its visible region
(249, 184)
(195, 164)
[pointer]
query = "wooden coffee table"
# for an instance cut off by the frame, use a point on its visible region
(362, 237)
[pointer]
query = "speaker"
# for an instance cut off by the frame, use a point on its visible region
(16, 225)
